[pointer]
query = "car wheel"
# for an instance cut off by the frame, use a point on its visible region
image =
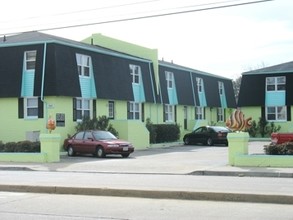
(100, 152)
(70, 151)
(209, 142)
(125, 155)
(186, 141)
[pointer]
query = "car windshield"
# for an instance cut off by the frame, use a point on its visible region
(103, 135)
(222, 129)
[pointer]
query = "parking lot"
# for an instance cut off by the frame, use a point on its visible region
(169, 159)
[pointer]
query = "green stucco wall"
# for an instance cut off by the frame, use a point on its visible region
(128, 48)
(255, 113)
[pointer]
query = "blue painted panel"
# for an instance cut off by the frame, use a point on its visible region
(138, 92)
(85, 85)
(172, 95)
(276, 98)
(202, 98)
(27, 86)
(88, 87)
(223, 99)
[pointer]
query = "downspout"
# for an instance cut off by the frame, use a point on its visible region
(42, 85)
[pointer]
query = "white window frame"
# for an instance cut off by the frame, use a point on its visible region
(221, 88)
(275, 83)
(83, 106)
(84, 65)
(30, 60)
(169, 113)
(170, 79)
(111, 109)
(134, 110)
(220, 113)
(199, 113)
(199, 83)
(135, 72)
(276, 113)
(31, 104)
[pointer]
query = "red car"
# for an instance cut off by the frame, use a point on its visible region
(98, 143)
(280, 138)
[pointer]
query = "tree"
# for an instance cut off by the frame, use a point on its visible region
(236, 86)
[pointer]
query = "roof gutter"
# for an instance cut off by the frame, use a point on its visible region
(43, 83)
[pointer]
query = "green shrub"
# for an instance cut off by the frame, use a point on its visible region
(263, 128)
(21, 146)
(100, 123)
(167, 132)
(253, 129)
(279, 149)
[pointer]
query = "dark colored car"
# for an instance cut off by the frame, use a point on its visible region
(208, 135)
(98, 143)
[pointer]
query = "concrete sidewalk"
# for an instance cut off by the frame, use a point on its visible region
(184, 187)
(177, 172)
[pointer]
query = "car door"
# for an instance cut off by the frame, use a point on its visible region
(197, 135)
(77, 142)
(89, 144)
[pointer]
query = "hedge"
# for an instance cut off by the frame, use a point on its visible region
(161, 133)
(21, 146)
(279, 149)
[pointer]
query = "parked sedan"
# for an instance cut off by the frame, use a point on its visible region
(208, 135)
(98, 143)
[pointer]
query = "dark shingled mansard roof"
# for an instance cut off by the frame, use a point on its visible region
(280, 68)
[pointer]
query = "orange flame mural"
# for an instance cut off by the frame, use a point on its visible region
(237, 122)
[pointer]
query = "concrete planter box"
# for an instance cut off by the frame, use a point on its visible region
(238, 145)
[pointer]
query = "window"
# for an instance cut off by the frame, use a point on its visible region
(83, 65)
(30, 59)
(169, 113)
(199, 84)
(221, 88)
(133, 110)
(170, 79)
(220, 114)
(276, 83)
(135, 72)
(111, 109)
(199, 113)
(276, 113)
(31, 107)
(82, 108)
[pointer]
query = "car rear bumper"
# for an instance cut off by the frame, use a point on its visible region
(119, 150)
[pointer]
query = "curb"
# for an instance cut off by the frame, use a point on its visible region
(241, 174)
(152, 194)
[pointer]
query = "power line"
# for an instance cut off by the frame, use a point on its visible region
(146, 16)
(89, 10)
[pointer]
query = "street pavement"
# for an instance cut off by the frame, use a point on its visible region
(170, 172)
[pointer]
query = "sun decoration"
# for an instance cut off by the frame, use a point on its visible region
(51, 124)
(237, 122)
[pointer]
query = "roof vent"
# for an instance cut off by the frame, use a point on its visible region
(4, 38)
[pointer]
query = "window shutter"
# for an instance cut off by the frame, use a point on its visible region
(74, 109)
(20, 108)
(164, 113)
(175, 113)
(128, 110)
(218, 118)
(142, 112)
(263, 112)
(94, 108)
(288, 113)
(40, 108)
(204, 113)
(224, 117)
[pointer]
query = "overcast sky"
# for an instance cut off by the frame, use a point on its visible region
(226, 41)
